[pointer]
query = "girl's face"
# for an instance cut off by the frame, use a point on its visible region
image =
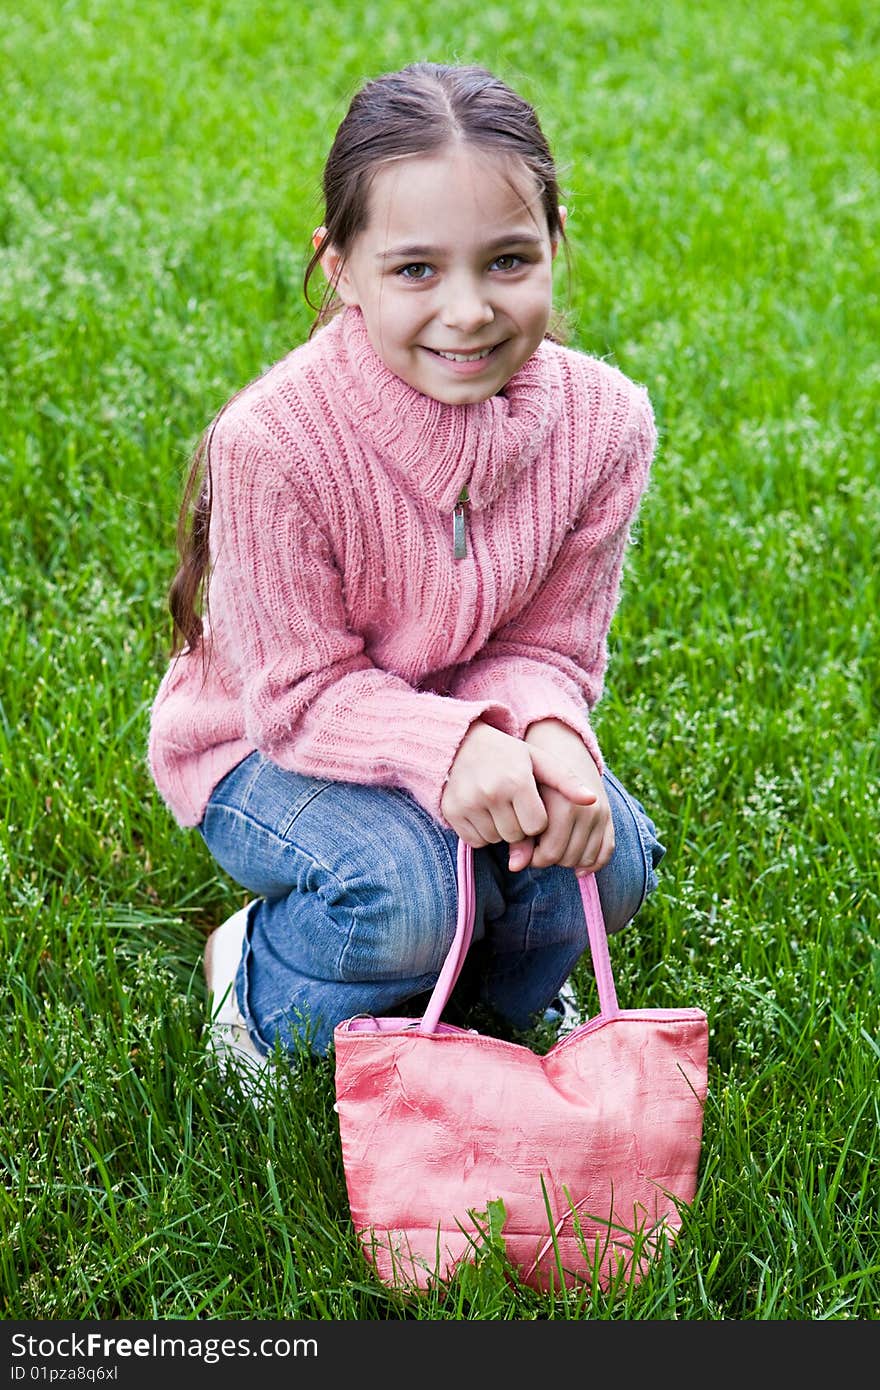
(453, 271)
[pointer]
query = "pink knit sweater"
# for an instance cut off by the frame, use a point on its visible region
(344, 639)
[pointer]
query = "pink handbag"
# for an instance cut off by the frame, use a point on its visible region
(592, 1148)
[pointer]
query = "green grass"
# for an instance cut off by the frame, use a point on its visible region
(160, 177)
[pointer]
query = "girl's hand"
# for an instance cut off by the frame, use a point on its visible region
(578, 836)
(492, 794)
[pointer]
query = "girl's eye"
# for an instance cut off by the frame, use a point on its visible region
(508, 262)
(416, 271)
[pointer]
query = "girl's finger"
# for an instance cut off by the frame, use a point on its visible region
(549, 769)
(555, 845)
(530, 813)
(507, 824)
(550, 845)
(520, 855)
(577, 844)
(598, 849)
(476, 831)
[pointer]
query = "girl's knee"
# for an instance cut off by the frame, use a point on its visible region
(630, 875)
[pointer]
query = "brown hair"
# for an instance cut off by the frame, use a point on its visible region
(416, 111)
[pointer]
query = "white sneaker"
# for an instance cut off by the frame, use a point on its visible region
(563, 1012)
(228, 1037)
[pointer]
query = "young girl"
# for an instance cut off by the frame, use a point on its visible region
(409, 536)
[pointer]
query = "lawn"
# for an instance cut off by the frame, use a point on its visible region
(161, 174)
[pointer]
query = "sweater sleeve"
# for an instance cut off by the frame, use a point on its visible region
(313, 701)
(550, 660)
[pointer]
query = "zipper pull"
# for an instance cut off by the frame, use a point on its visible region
(459, 529)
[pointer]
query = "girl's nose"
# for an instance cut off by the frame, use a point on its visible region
(466, 308)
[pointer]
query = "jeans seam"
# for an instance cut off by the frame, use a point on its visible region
(217, 801)
(241, 993)
(251, 819)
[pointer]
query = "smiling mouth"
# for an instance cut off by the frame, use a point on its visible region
(464, 356)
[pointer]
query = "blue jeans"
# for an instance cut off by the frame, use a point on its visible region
(357, 899)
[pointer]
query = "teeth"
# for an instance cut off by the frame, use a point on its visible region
(464, 356)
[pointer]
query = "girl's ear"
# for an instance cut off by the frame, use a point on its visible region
(563, 218)
(333, 266)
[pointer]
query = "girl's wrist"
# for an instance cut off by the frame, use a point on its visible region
(553, 733)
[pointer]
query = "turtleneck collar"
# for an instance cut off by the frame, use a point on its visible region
(440, 447)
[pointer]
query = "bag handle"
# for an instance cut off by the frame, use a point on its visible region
(464, 930)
